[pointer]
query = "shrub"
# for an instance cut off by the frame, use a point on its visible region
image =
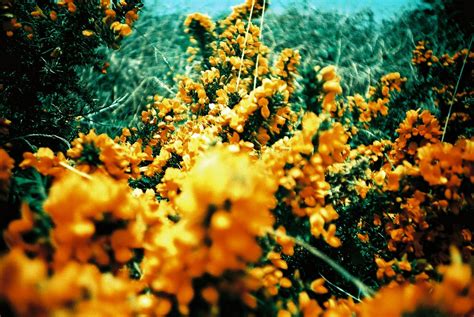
(43, 43)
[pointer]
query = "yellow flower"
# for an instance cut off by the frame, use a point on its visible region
(331, 87)
(88, 33)
(317, 286)
(94, 152)
(286, 67)
(78, 206)
(309, 307)
(121, 28)
(44, 161)
(202, 20)
(384, 268)
(287, 244)
(227, 195)
(6, 166)
(20, 278)
(453, 296)
(332, 144)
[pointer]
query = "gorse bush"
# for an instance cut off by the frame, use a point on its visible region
(43, 43)
(257, 186)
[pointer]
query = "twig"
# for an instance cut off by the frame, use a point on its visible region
(115, 103)
(72, 169)
(27, 142)
(164, 85)
(340, 289)
(156, 49)
(261, 42)
(364, 289)
(245, 45)
(51, 136)
(389, 161)
(456, 90)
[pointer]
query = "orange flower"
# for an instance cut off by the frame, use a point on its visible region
(210, 295)
(6, 166)
(71, 6)
(20, 278)
(90, 202)
(404, 264)
(13, 234)
(415, 131)
(363, 237)
(330, 236)
(287, 244)
(309, 307)
(317, 286)
(454, 296)
(53, 15)
(240, 215)
(384, 268)
(44, 161)
(277, 261)
(439, 163)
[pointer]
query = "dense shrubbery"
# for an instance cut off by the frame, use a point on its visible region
(256, 186)
(43, 43)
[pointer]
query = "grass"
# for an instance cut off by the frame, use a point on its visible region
(151, 60)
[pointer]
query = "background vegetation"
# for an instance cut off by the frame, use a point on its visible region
(363, 48)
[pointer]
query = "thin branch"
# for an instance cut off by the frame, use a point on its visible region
(74, 170)
(340, 289)
(364, 289)
(114, 104)
(156, 49)
(456, 90)
(261, 42)
(245, 45)
(41, 135)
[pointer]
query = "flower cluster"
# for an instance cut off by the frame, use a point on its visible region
(73, 290)
(331, 87)
(378, 98)
(117, 15)
(217, 229)
(286, 66)
(418, 129)
(453, 296)
(452, 99)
